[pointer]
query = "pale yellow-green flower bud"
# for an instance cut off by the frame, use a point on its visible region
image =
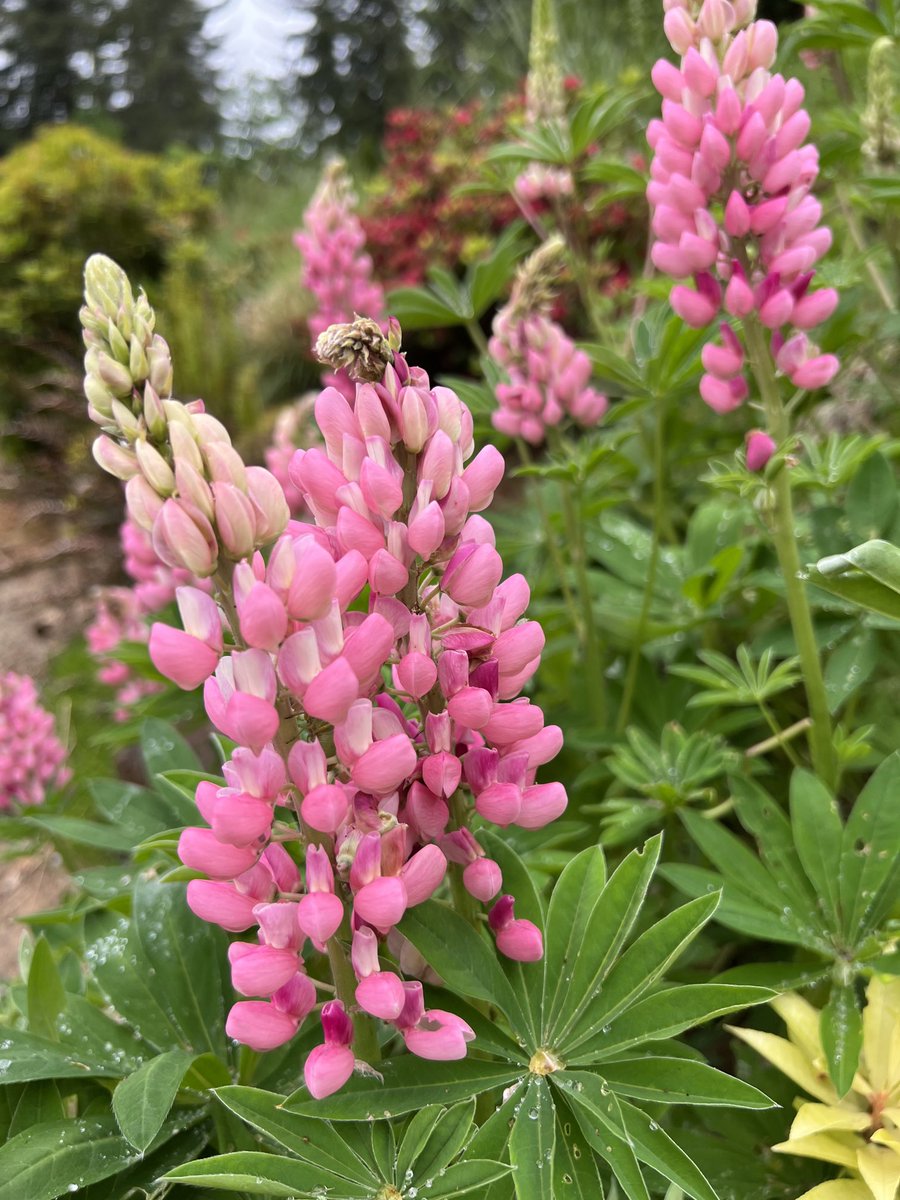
(537, 280)
(106, 285)
(126, 422)
(154, 414)
(154, 468)
(99, 396)
(114, 459)
(160, 366)
(116, 377)
(117, 345)
(137, 361)
(544, 91)
(184, 445)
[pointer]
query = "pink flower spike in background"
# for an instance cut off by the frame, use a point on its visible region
(32, 758)
(734, 215)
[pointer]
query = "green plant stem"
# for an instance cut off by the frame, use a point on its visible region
(476, 333)
(659, 519)
(550, 541)
(365, 1043)
(463, 902)
(593, 660)
(856, 235)
(778, 737)
(785, 539)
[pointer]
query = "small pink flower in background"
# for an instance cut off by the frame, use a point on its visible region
(731, 194)
(337, 271)
(32, 758)
(547, 377)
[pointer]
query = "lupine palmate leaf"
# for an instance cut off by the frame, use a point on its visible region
(606, 931)
(465, 961)
(575, 1171)
(869, 859)
(315, 1141)
(840, 1029)
(409, 1083)
(532, 1143)
(444, 1141)
(680, 1081)
(269, 1175)
(817, 831)
(577, 891)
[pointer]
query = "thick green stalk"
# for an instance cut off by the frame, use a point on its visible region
(659, 518)
(784, 536)
(365, 1040)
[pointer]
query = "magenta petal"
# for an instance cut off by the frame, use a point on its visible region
(327, 1069)
(319, 915)
(382, 995)
(184, 659)
(260, 1025)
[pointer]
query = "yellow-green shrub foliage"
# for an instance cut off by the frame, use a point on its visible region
(70, 192)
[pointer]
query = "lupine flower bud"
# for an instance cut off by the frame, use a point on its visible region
(760, 448)
(32, 759)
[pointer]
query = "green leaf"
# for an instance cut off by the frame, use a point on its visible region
(185, 956)
(818, 835)
(490, 1139)
(447, 1137)
(575, 1174)
(868, 576)
(463, 1178)
(872, 498)
(489, 277)
(84, 833)
(461, 957)
(608, 927)
(415, 1136)
(849, 667)
(121, 970)
(142, 1102)
(840, 1028)
(28, 1057)
(526, 978)
(576, 893)
(665, 1014)
(409, 1083)
(164, 749)
(420, 308)
(533, 1141)
(262, 1175)
(654, 1147)
(384, 1149)
(315, 1141)
(136, 810)
(762, 816)
(42, 1163)
(46, 996)
(680, 1081)
(592, 1101)
(645, 961)
(38, 1104)
(869, 856)
(178, 789)
(736, 910)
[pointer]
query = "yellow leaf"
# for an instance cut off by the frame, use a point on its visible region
(802, 1020)
(825, 1118)
(839, 1148)
(881, 1033)
(790, 1060)
(889, 1138)
(839, 1189)
(880, 1169)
